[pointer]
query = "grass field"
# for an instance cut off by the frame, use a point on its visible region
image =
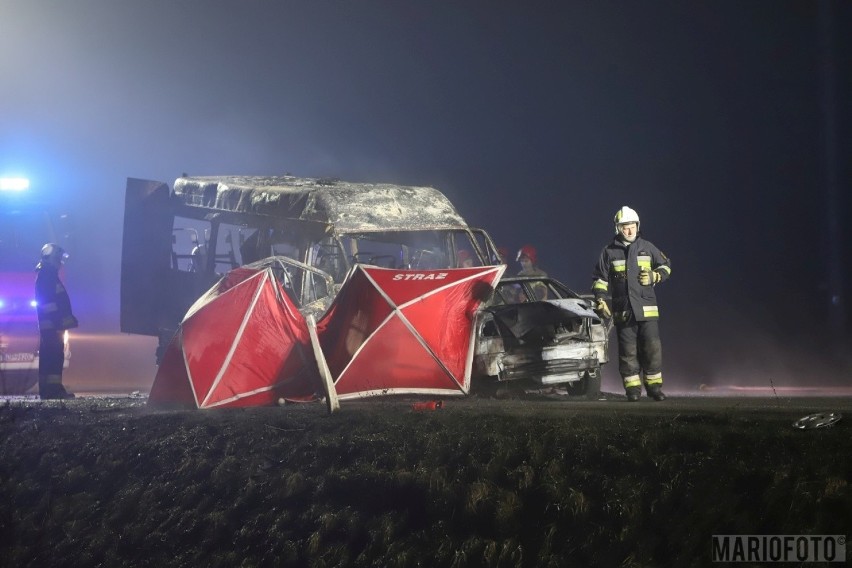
(110, 482)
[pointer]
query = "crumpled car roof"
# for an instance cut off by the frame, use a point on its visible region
(349, 207)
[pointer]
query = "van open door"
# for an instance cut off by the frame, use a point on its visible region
(145, 256)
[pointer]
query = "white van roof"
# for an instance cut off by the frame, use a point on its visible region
(349, 207)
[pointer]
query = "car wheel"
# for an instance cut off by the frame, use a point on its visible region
(592, 384)
(485, 386)
(589, 386)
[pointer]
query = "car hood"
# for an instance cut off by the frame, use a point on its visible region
(521, 319)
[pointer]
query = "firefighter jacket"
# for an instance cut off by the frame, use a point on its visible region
(617, 275)
(53, 303)
(539, 288)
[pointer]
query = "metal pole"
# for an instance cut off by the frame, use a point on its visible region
(836, 301)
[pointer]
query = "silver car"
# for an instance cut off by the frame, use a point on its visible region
(535, 329)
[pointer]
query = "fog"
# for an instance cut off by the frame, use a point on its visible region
(538, 120)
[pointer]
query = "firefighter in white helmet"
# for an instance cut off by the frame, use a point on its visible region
(627, 271)
(54, 317)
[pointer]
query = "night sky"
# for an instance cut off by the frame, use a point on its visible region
(538, 119)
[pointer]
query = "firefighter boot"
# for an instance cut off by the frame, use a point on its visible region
(50, 388)
(633, 394)
(656, 392)
(64, 393)
(56, 393)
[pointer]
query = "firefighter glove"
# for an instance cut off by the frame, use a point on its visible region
(649, 277)
(602, 309)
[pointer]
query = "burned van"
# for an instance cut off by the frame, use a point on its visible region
(179, 241)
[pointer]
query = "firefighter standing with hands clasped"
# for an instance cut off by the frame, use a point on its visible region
(54, 317)
(627, 271)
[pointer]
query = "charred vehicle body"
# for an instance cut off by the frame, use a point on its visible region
(179, 242)
(536, 329)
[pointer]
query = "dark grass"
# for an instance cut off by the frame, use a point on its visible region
(493, 484)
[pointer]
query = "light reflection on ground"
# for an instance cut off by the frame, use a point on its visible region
(104, 364)
(111, 363)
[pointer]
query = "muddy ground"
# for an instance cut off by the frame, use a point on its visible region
(529, 481)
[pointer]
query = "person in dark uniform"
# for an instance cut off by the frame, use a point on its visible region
(627, 270)
(54, 317)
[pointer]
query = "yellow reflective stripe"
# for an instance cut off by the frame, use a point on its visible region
(654, 379)
(619, 265)
(644, 261)
(601, 285)
(632, 381)
(664, 267)
(651, 311)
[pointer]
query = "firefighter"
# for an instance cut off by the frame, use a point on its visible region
(528, 258)
(54, 317)
(627, 271)
(502, 255)
(464, 259)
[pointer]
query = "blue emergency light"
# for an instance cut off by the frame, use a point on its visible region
(14, 184)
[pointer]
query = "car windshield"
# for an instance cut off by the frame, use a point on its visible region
(530, 290)
(425, 250)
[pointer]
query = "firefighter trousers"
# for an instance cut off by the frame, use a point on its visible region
(51, 358)
(640, 351)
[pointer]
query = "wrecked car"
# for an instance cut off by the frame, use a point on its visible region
(179, 242)
(535, 329)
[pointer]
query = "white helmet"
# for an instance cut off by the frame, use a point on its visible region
(53, 253)
(626, 215)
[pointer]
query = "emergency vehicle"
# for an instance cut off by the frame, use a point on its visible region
(26, 224)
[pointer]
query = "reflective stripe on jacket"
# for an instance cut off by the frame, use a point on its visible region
(617, 275)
